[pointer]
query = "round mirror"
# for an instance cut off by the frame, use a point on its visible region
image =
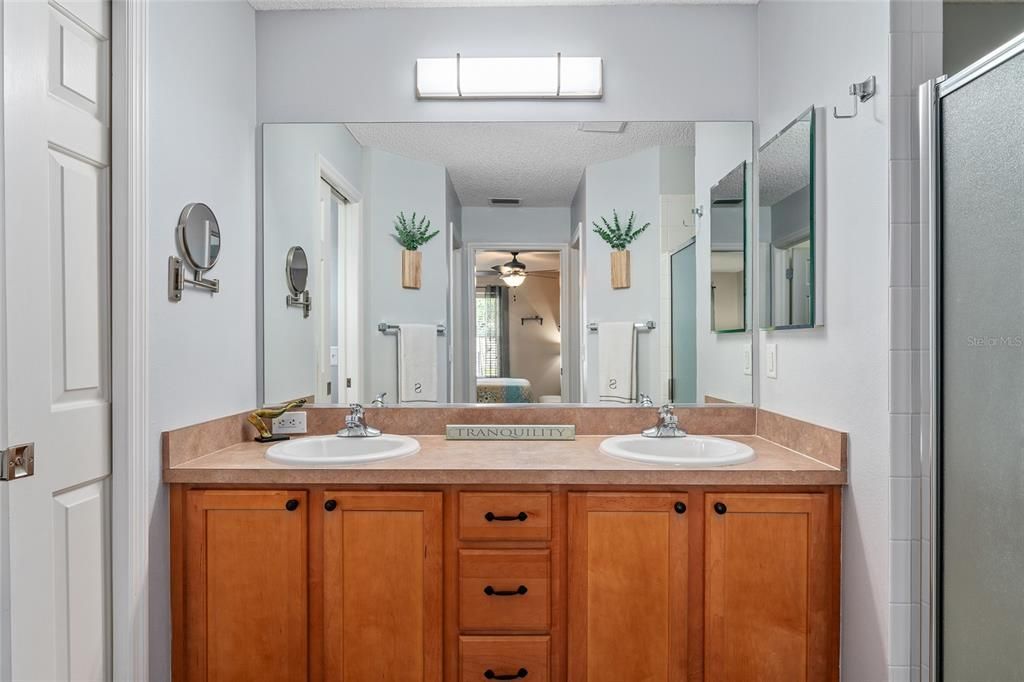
(199, 236)
(297, 269)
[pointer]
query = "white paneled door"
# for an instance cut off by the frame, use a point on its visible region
(56, 333)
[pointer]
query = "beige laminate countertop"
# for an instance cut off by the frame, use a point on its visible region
(441, 461)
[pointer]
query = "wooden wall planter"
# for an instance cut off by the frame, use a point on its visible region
(412, 269)
(620, 269)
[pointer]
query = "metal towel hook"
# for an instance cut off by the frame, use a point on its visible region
(861, 92)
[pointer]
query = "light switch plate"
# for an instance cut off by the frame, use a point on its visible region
(289, 422)
(748, 360)
(771, 364)
(334, 356)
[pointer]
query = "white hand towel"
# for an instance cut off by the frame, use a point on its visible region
(417, 363)
(616, 362)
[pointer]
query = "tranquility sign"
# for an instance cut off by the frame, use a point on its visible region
(510, 432)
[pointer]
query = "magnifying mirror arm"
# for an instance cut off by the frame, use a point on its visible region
(177, 279)
(302, 300)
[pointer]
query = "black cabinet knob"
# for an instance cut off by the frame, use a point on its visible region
(680, 507)
(291, 505)
(491, 516)
(331, 505)
(491, 675)
(720, 508)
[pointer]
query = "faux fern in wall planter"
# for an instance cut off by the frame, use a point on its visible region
(619, 236)
(412, 235)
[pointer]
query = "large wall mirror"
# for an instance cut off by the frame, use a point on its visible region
(508, 263)
(788, 227)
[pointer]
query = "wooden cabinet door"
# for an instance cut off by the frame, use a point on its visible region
(627, 587)
(382, 586)
(767, 578)
(245, 605)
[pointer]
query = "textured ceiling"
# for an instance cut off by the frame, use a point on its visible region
(534, 261)
(540, 163)
(405, 4)
(784, 165)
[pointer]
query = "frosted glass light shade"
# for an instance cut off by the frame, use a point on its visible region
(509, 78)
(513, 279)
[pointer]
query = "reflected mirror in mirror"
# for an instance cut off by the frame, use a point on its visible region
(199, 237)
(729, 252)
(786, 170)
(491, 310)
(297, 270)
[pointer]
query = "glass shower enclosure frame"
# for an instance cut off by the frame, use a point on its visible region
(935, 494)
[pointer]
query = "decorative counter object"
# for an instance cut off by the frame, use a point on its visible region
(412, 235)
(619, 237)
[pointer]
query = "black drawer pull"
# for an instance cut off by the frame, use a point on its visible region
(291, 505)
(720, 508)
(331, 505)
(491, 592)
(491, 675)
(680, 507)
(521, 516)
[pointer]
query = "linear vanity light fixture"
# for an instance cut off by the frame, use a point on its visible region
(554, 77)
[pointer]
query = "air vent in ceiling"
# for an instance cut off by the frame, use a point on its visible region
(602, 126)
(504, 201)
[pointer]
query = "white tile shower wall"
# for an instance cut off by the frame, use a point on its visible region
(915, 55)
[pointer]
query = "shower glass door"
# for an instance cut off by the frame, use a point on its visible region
(980, 379)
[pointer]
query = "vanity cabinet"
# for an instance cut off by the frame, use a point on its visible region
(241, 599)
(382, 557)
(767, 583)
(469, 584)
(628, 582)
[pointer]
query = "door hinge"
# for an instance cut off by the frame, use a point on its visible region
(17, 461)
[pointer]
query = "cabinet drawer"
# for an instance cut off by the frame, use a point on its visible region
(505, 516)
(505, 590)
(504, 658)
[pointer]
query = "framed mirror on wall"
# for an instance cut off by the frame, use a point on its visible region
(790, 230)
(507, 263)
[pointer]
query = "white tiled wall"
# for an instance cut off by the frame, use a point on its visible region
(915, 55)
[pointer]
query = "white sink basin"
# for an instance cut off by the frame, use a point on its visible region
(691, 451)
(334, 451)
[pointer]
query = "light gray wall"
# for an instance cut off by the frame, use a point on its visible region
(201, 139)
(720, 148)
(291, 217)
(661, 63)
(837, 375)
(395, 183)
(970, 30)
(627, 184)
(515, 224)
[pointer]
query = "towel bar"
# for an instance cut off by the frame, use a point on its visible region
(385, 328)
(647, 326)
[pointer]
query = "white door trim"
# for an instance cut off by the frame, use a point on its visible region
(130, 343)
(351, 327)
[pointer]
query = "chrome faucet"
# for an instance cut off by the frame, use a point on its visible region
(667, 426)
(645, 400)
(355, 424)
(378, 400)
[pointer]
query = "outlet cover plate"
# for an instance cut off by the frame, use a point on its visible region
(289, 422)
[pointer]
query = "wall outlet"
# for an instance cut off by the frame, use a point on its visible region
(748, 360)
(771, 363)
(289, 422)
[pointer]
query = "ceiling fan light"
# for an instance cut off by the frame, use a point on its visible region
(513, 279)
